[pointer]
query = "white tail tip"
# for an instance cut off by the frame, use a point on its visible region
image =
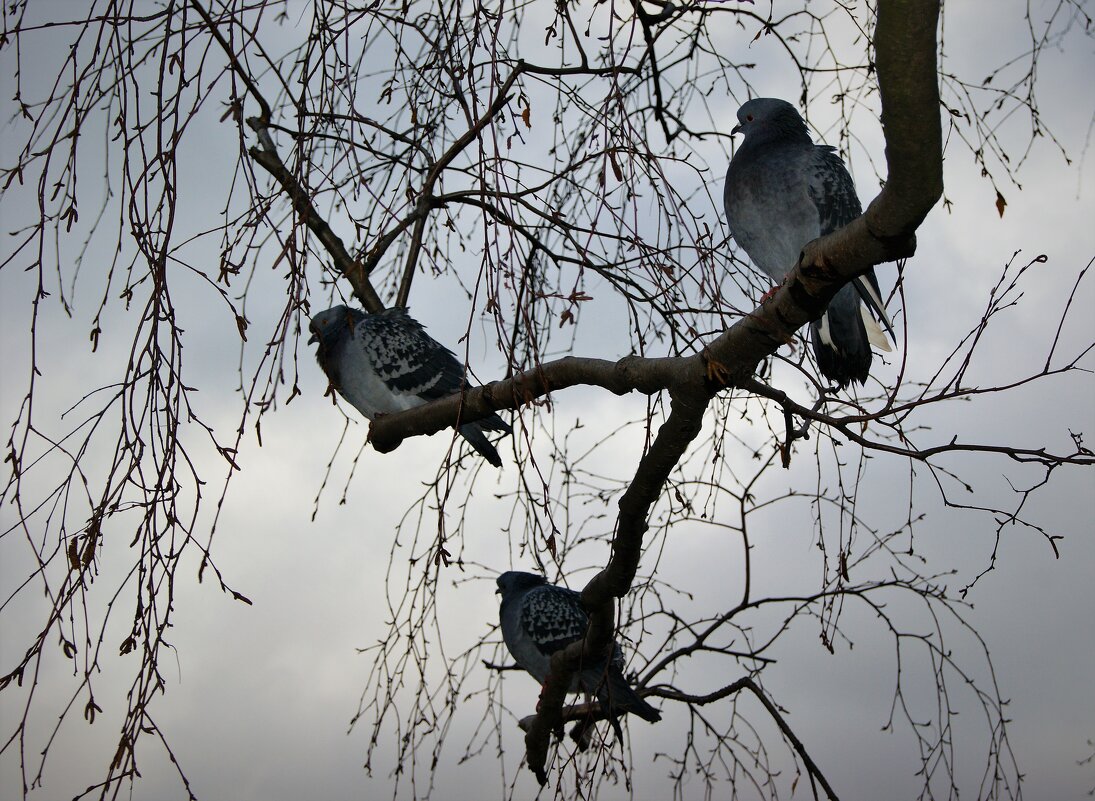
(875, 335)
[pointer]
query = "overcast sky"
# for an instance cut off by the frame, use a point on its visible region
(260, 697)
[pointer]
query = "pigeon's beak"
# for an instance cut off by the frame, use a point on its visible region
(735, 130)
(498, 591)
(313, 339)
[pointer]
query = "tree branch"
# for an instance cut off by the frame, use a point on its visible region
(674, 437)
(620, 377)
(425, 195)
(266, 154)
(905, 43)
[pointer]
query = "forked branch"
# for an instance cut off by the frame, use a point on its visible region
(905, 40)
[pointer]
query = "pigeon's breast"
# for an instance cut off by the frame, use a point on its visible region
(363, 387)
(769, 210)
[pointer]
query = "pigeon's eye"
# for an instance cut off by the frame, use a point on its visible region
(748, 117)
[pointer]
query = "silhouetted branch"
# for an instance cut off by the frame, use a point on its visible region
(905, 42)
(266, 155)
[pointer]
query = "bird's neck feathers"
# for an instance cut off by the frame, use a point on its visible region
(782, 129)
(506, 603)
(333, 337)
(330, 340)
(515, 583)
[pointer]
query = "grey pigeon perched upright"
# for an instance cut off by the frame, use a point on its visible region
(539, 619)
(386, 362)
(783, 191)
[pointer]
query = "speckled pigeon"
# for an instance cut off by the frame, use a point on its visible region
(386, 362)
(539, 619)
(783, 191)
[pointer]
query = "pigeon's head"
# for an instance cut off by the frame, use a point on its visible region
(514, 582)
(769, 117)
(329, 325)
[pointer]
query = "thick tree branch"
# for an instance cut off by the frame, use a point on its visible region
(674, 437)
(620, 377)
(905, 54)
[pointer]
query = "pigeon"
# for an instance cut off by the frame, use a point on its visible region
(539, 619)
(783, 191)
(386, 362)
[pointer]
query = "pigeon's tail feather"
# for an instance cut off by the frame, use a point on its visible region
(867, 287)
(494, 423)
(618, 696)
(875, 334)
(478, 440)
(841, 346)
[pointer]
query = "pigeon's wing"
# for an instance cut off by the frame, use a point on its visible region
(411, 362)
(833, 193)
(553, 617)
(832, 190)
(407, 359)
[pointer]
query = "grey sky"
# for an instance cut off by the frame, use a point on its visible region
(259, 697)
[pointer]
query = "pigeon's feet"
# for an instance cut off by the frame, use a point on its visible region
(764, 298)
